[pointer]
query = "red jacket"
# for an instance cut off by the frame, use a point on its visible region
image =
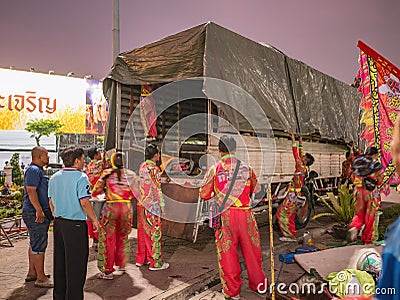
(216, 179)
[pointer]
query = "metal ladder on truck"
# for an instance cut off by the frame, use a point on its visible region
(202, 214)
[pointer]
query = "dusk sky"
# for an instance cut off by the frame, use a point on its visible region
(76, 35)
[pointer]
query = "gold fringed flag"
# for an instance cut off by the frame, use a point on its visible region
(380, 86)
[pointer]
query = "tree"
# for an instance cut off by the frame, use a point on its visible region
(16, 171)
(43, 127)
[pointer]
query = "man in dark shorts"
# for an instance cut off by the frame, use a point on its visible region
(36, 204)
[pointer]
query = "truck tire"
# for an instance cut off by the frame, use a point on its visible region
(303, 213)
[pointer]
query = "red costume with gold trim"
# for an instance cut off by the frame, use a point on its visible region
(149, 216)
(116, 222)
(366, 204)
(93, 171)
(238, 228)
(287, 210)
(347, 172)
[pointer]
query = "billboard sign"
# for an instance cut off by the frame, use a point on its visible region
(96, 107)
(25, 96)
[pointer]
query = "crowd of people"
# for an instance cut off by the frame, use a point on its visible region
(71, 198)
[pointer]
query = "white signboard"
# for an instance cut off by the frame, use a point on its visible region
(26, 96)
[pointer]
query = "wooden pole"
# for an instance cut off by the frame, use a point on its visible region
(271, 241)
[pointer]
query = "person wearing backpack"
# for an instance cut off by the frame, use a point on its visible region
(231, 183)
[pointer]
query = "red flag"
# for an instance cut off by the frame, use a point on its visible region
(380, 85)
(147, 111)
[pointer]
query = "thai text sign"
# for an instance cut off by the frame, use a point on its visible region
(25, 96)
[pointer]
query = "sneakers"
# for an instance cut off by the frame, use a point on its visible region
(163, 267)
(119, 271)
(105, 276)
(287, 239)
(141, 265)
(226, 296)
(351, 234)
(44, 283)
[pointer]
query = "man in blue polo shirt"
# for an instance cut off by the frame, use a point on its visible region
(69, 193)
(36, 202)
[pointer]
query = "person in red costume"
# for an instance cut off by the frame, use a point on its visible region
(347, 172)
(93, 170)
(120, 186)
(287, 210)
(238, 225)
(366, 195)
(150, 208)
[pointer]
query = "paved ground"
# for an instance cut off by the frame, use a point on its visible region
(193, 268)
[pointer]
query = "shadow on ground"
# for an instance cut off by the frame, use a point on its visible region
(113, 289)
(28, 292)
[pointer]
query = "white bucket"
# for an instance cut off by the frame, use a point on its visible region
(368, 260)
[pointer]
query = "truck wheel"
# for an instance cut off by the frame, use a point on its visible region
(303, 213)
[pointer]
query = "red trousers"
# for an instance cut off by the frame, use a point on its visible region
(149, 237)
(286, 214)
(366, 205)
(239, 228)
(116, 224)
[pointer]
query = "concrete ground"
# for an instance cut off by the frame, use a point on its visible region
(193, 269)
(193, 273)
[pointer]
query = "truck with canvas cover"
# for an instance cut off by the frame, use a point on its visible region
(186, 90)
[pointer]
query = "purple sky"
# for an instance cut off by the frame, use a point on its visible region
(76, 35)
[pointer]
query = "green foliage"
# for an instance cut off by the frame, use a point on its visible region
(9, 212)
(43, 127)
(341, 207)
(16, 171)
(390, 214)
(18, 196)
(10, 208)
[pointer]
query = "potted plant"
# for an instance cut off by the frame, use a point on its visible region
(341, 208)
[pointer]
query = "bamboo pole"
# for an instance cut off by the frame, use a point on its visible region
(271, 241)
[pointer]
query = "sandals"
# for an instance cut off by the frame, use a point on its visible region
(34, 278)
(44, 284)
